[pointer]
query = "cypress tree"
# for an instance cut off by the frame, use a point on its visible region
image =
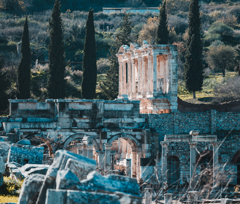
(123, 37)
(162, 31)
(89, 60)
(193, 68)
(4, 84)
(109, 87)
(56, 82)
(23, 75)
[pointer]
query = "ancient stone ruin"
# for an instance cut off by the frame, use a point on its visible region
(149, 74)
(63, 185)
(141, 134)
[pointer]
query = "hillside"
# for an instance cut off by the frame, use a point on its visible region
(220, 30)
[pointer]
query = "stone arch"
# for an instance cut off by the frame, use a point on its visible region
(80, 136)
(135, 145)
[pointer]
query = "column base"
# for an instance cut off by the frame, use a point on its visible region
(149, 95)
(125, 97)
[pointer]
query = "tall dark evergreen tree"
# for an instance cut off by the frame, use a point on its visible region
(193, 68)
(109, 87)
(4, 84)
(89, 80)
(56, 82)
(162, 31)
(23, 82)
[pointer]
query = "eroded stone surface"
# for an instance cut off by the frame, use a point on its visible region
(24, 142)
(30, 189)
(65, 179)
(26, 154)
(29, 169)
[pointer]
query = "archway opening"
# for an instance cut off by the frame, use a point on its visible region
(173, 166)
(122, 157)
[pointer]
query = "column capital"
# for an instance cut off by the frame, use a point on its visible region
(90, 146)
(164, 144)
(192, 144)
(80, 144)
(107, 146)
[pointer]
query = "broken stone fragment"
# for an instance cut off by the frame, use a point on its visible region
(65, 179)
(29, 169)
(111, 183)
(17, 175)
(4, 149)
(30, 189)
(60, 163)
(24, 142)
(26, 154)
(80, 197)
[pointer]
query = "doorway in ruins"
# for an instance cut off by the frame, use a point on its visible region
(124, 157)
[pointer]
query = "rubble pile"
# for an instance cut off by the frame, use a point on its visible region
(73, 178)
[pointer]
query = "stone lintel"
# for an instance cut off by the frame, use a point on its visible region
(189, 138)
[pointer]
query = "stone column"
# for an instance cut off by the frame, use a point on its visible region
(90, 151)
(155, 73)
(134, 162)
(148, 196)
(124, 84)
(80, 148)
(112, 153)
(192, 162)
(84, 150)
(138, 173)
(128, 167)
(139, 75)
(150, 76)
(164, 160)
(120, 81)
(101, 160)
(215, 161)
(133, 79)
(107, 160)
(168, 198)
(144, 75)
(129, 85)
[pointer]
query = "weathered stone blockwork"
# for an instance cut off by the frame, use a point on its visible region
(25, 154)
(205, 122)
(98, 123)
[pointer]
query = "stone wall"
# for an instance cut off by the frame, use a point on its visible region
(23, 154)
(229, 152)
(182, 123)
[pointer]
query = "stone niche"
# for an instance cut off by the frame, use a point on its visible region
(149, 74)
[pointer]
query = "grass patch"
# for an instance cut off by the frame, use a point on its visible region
(207, 89)
(8, 199)
(9, 191)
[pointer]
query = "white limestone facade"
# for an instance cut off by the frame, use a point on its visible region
(150, 74)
